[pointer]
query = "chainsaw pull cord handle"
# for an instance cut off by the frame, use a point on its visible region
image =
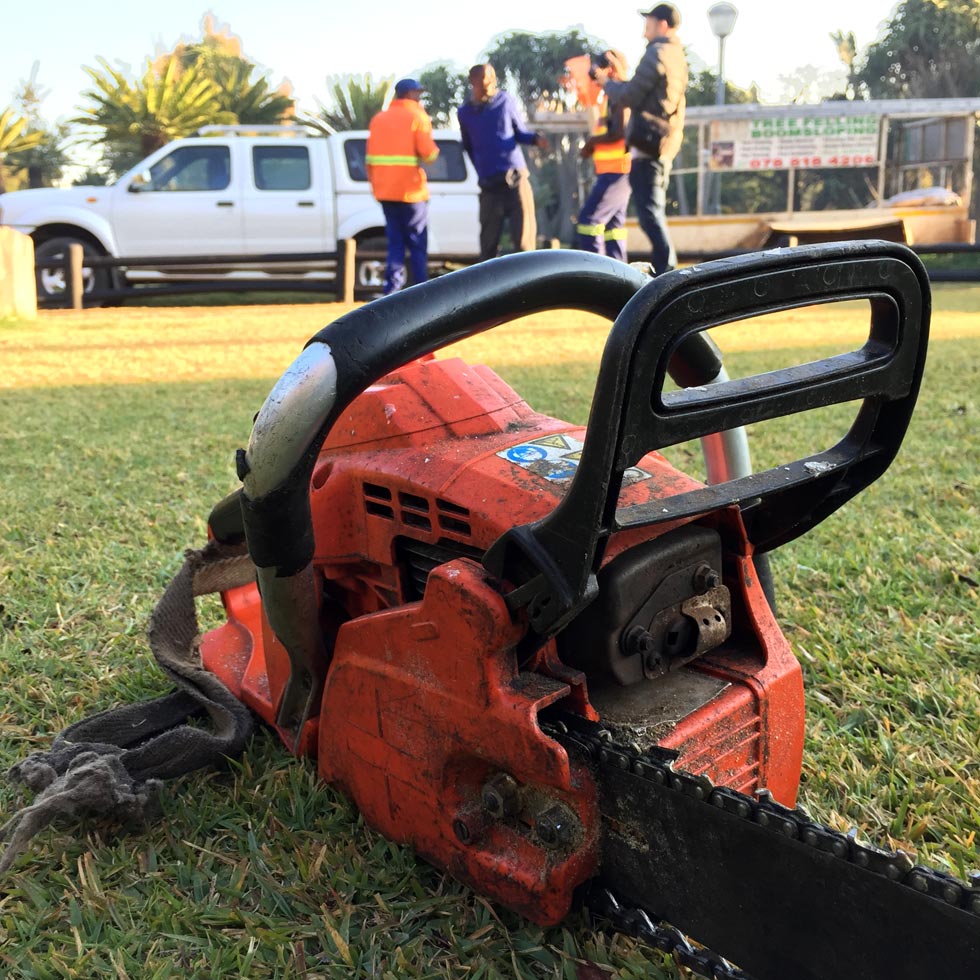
(343, 359)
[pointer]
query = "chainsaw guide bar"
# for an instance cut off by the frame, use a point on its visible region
(672, 843)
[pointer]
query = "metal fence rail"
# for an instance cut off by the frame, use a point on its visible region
(335, 272)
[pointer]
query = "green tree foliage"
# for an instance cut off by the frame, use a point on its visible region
(352, 101)
(846, 45)
(44, 163)
(243, 91)
(209, 82)
(929, 50)
(702, 88)
(15, 133)
(93, 177)
(133, 118)
(16, 136)
(532, 64)
(39, 159)
(445, 90)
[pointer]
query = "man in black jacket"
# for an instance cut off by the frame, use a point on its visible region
(656, 96)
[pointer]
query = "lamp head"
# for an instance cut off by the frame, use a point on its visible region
(722, 18)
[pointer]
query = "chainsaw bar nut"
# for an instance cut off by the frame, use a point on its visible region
(500, 797)
(705, 579)
(553, 826)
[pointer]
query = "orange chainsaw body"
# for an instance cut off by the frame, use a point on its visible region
(428, 698)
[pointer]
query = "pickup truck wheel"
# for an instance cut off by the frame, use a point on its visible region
(370, 273)
(51, 283)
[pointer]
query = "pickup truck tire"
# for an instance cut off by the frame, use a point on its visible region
(370, 273)
(51, 283)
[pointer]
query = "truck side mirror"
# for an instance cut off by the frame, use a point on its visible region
(140, 182)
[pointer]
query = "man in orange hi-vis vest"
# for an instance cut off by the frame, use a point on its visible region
(601, 225)
(399, 142)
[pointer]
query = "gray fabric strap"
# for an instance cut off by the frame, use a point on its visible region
(111, 763)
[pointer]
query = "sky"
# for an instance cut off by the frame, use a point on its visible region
(308, 41)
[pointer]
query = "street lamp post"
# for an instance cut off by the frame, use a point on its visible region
(721, 17)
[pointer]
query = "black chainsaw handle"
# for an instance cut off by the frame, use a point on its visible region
(552, 562)
(361, 347)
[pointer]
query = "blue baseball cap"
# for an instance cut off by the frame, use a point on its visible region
(406, 85)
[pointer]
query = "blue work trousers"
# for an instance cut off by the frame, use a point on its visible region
(648, 179)
(601, 225)
(406, 228)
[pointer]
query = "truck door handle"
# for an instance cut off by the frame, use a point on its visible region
(305, 204)
(226, 204)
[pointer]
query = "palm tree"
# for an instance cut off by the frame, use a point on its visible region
(218, 55)
(136, 118)
(354, 100)
(846, 45)
(16, 136)
(43, 163)
(248, 99)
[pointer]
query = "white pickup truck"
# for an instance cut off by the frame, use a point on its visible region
(240, 191)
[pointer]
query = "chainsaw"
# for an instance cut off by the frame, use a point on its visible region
(541, 655)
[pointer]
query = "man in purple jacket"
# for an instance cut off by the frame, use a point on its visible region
(492, 130)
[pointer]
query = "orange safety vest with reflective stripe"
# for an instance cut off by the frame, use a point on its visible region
(399, 139)
(609, 158)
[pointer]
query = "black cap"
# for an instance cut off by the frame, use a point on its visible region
(664, 11)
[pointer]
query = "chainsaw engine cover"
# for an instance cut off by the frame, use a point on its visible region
(429, 696)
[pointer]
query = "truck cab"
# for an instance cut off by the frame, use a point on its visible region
(233, 192)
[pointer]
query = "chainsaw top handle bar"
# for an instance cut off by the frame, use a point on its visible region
(553, 562)
(362, 346)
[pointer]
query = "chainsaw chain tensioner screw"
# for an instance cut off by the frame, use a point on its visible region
(470, 824)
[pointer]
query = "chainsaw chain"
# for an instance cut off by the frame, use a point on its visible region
(598, 746)
(660, 935)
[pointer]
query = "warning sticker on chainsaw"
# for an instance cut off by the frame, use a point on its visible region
(556, 458)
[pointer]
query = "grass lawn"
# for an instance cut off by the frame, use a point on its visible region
(117, 434)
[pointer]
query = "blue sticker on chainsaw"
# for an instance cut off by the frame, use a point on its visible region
(556, 458)
(525, 454)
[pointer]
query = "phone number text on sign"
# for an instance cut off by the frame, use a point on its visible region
(838, 160)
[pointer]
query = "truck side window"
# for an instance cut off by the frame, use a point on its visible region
(449, 167)
(191, 168)
(355, 151)
(281, 168)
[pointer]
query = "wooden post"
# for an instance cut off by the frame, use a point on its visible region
(883, 161)
(346, 270)
(74, 278)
